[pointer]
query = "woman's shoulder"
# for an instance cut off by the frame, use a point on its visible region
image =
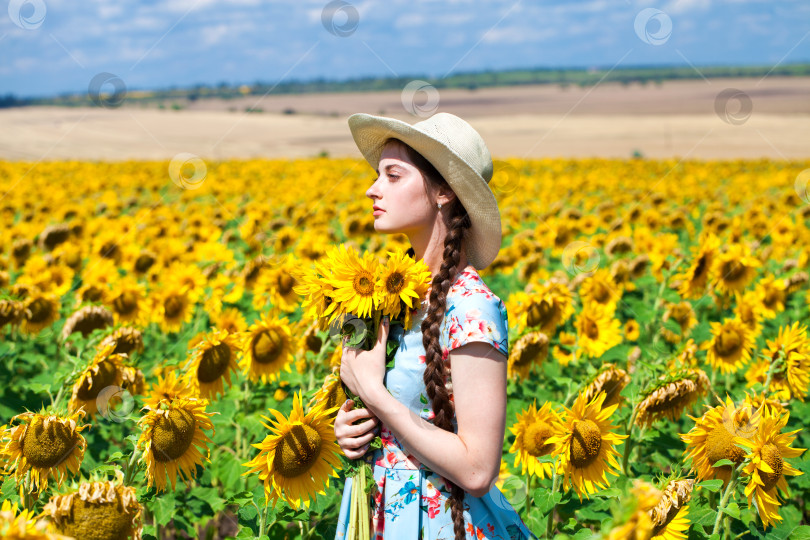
(469, 286)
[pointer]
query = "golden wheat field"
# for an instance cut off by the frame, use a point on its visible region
(157, 357)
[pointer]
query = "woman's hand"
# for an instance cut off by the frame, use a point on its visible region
(354, 439)
(363, 371)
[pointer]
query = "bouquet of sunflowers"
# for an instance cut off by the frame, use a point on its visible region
(353, 293)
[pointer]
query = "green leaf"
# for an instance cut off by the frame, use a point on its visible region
(723, 463)
(732, 510)
(711, 485)
(547, 500)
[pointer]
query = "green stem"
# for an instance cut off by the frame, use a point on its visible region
(732, 483)
(262, 519)
(628, 444)
(555, 484)
(130, 466)
(776, 364)
(529, 492)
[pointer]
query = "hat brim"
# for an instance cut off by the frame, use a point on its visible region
(483, 240)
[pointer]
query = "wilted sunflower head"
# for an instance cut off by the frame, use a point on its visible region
(671, 395)
(48, 445)
(609, 379)
(105, 370)
(127, 340)
(529, 350)
(669, 513)
(85, 320)
(98, 510)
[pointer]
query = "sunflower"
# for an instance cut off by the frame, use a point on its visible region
(105, 370)
(331, 393)
(793, 376)
(584, 442)
(734, 269)
(713, 438)
(86, 319)
(402, 281)
(670, 396)
(278, 285)
(167, 388)
(730, 346)
(631, 330)
(694, 279)
(669, 514)
(766, 468)
(773, 293)
(172, 306)
(40, 310)
(532, 431)
(528, 351)
(639, 525)
(128, 302)
(354, 280)
(96, 511)
(11, 312)
(127, 340)
(683, 314)
(750, 311)
(21, 524)
(600, 288)
(543, 309)
(172, 437)
(564, 353)
(316, 289)
(299, 455)
(212, 362)
(268, 348)
(610, 380)
(46, 445)
(230, 319)
(597, 330)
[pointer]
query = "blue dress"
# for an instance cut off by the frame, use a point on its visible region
(411, 499)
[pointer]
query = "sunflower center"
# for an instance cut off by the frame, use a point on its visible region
(40, 310)
(104, 377)
(771, 298)
(285, 283)
(728, 342)
(364, 284)
(700, 268)
(96, 521)
(531, 353)
(172, 436)
(48, 447)
(267, 346)
(126, 302)
(534, 439)
(313, 343)
(173, 306)
(214, 362)
(591, 328)
(585, 443)
(336, 396)
(394, 283)
(92, 294)
(771, 456)
(720, 445)
(601, 293)
(540, 313)
(297, 451)
(732, 271)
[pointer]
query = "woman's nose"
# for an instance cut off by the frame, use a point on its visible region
(372, 191)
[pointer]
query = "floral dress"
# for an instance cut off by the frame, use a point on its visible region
(412, 501)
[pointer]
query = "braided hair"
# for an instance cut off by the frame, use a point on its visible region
(458, 221)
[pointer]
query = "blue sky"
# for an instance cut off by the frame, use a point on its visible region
(53, 46)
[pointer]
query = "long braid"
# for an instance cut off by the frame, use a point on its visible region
(434, 379)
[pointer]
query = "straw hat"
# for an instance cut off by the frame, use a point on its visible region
(459, 154)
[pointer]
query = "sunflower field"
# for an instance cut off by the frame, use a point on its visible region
(161, 379)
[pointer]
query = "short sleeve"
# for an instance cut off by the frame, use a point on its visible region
(476, 316)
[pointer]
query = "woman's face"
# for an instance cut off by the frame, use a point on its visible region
(399, 191)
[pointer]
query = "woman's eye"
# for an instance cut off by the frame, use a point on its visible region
(393, 176)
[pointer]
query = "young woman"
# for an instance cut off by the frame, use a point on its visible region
(441, 409)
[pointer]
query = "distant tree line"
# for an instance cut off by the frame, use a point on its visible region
(468, 80)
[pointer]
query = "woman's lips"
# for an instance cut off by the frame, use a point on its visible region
(378, 212)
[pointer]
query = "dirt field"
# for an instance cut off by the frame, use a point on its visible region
(674, 119)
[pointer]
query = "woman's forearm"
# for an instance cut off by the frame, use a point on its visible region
(443, 452)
